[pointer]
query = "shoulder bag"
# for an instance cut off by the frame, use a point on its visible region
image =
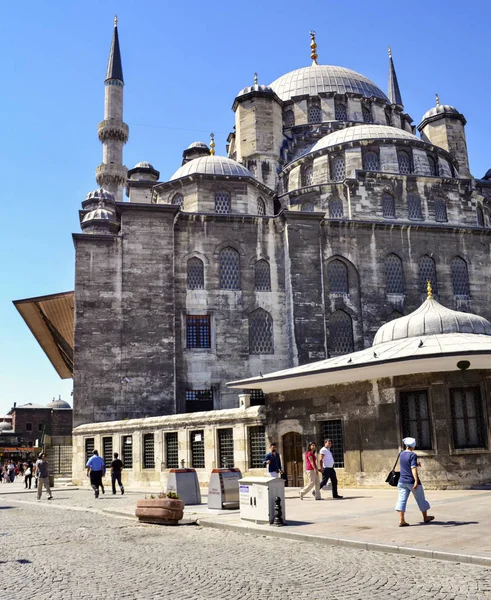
(393, 476)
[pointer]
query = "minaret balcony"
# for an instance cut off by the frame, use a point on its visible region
(112, 129)
(110, 174)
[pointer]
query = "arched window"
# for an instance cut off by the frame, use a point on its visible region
(433, 163)
(340, 328)
(262, 276)
(414, 211)
(315, 114)
(337, 277)
(196, 274)
(460, 277)
(229, 269)
(307, 175)
(367, 115)
(308, 206)
(222, 203)
(388, 207)
(394, 275)
(371, 161)
(427, 272)
(404, 162)
(338, 169)
(335, 208)
(479, 216)
(260, 332)
(440, 211)
(289, 118)
(340, 112)
(177, 199)
(261, 207)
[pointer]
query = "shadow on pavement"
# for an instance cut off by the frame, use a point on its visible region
(6, 507)
(452, 523)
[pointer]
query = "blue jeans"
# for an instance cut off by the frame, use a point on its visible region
(404, 490)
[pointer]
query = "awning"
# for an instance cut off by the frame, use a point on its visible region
(50, 319)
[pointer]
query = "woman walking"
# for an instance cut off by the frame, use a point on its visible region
(312, 473)
(409, 482)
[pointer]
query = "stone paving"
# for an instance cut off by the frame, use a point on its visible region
(68, 548)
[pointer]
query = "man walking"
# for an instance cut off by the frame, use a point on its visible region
(116, 468)
(273, 461)
(96, 469)
(327, 466)
(42, 474)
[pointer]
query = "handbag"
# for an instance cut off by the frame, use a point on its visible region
(393, 476)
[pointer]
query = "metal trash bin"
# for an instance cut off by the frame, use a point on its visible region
(223, 489)
(185, 483)
(257, 498)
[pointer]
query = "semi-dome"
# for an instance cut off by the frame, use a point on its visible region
(58, 404)
(100, 194)
(325, 78)
(431, 318)
(4, 426)
(198, 145)
(211, 165)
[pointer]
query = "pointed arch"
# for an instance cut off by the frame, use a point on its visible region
(195, 274)
(340, 332)
(404, 162)
(336, 208)
(177, 199)
(229, 267)
(315, 113)
(460, 277)
(394, 275)
(427, 272)
(261, 207)
(338, 168)
(307, 175)
(414, 211)
(479, 216)
(222, 202)
(261, 332)
(262, 276)
(337, 277)
(289, 118)
(388, 206)
(440, 210)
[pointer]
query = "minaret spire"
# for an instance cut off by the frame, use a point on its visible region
(114, 66)
(394, 91)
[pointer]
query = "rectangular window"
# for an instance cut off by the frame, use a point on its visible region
(257, 397)
(127, 451)
(148, 451)
(28, 426)
(89, 448)
(198, 449)
(415, 417)
(198, 331)
(467, 418)
(226, 448)
(197, 400)
(41, 426)
(171, 450)
(107, 450)
(257, 446)
(333, 430)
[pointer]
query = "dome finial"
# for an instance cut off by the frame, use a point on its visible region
(437, 98)
(313, 48)
(212, 144)
(390, 52)
(429, 290)
(255, 78)
(115, 20)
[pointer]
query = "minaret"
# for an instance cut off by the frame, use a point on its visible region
(394, 91)
(111, 174)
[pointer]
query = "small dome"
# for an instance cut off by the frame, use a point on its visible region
(58, 404)
(143, 165)
(431, 318)
(325, 78)
(441, 109)
(100, 214)
(211, 165)
(100, 194)
(198, 145)
(254, 88)
(4, 426)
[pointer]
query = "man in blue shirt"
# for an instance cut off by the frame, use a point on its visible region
(273, 461)
(96, 469)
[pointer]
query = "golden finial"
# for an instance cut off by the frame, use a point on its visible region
(212, 144)
(429, 289)
(390, 52)
(313, 48)
(115, 20)
(437, 98)
(255, 78)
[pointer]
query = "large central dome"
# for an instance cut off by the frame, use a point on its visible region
(325, 78)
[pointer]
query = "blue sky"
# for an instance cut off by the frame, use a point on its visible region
(183, 65)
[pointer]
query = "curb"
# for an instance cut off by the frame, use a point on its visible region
(331, 541)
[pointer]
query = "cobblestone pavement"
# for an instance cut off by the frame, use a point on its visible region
(66, 549)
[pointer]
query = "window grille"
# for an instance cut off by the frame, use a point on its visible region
(257, 397)
(404, 162)
(337, 277)
(467, 418)
(260, 332)
(315, 114)
(196, 274)
(367, 114)
(178, 199)
(460, 277)
(199, 400)
(226, 448)
(335, 208)
(148, 451)
(427, 272)
(340, 328)
(440, 211)
(308, 206)
(171, 450)
(262, 276)
(388, 207)
(372, 162)
(434, 171)
(127, 451)
(308, 175)
(229, 269)
(89, 448)
(333, 430)
(107, 450)
(479, 216)
(338, 168)
(222, 203)
(394, 275)
(198, 449)
(289, 118)
(340, 112)
(198, 331)
(414, 211)
(257, 446)
(261, 207)
(415, 417)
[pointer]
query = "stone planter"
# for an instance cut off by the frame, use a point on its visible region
(161, 511)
